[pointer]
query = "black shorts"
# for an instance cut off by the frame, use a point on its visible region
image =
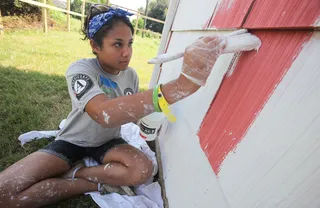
(72, 153)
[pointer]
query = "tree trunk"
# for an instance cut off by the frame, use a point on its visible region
(145, 14)
(1, 25)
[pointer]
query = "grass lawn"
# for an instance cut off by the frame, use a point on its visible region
(33, 91)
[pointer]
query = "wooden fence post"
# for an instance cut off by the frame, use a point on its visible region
(83, 8)
(68, 15)
(44, 18)
(1, 25)
(137, 24)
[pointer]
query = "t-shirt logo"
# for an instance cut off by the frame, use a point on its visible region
(128, 91)
(79, 86)
(81, 83)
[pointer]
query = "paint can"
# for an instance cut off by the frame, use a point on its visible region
(150, 126)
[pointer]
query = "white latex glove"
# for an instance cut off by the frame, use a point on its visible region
(200, 57)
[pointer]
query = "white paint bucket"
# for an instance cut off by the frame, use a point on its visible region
(150, 126)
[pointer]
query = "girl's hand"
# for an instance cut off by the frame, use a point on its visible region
(200, 57)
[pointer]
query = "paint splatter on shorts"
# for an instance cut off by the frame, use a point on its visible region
(72, 153)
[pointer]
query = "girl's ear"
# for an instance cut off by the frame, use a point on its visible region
(94, 46)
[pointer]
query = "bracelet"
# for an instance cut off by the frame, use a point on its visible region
(164, 106)
(155, 99)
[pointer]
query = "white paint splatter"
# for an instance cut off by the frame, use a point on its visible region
(107, 166)
(233, 65)
(317, 22)
(179, 94)
(24, 198)
(131, 114)
(147, 108)
(206, 146)
(106, 117)
(230, 3)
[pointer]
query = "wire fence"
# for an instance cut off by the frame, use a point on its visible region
(44, 7)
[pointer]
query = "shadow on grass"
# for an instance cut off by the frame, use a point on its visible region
(32, 101)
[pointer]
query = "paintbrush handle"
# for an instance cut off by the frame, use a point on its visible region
(236, 41)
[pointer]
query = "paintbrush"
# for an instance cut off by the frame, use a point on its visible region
(236, 41)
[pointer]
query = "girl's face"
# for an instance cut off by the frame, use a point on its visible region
(116, 50)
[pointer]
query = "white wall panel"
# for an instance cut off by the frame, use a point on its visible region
(193, 15)
(189, 179)
(277, 162)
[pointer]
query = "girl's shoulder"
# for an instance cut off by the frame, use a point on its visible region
(82, 66)
(131, 72)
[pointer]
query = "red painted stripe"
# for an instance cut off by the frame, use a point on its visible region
(283, 14)
(230, 13)
(242, 95)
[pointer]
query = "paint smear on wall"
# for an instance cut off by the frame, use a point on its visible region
(243, 94)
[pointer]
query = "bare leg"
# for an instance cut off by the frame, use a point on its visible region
(52, 190)
(29, 182)
(124, 165)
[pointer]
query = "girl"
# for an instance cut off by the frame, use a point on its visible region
(104, 95)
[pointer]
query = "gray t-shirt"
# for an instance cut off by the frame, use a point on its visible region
(86, 79)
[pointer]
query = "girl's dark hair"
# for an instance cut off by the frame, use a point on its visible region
(103, 31)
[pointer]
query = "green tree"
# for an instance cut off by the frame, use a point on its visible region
(15, 7)
(140, 23)
(76, 7)
(158, 10)
(141, 10)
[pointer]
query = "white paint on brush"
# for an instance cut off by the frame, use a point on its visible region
(242, 42)
(236, 41)
(233, 64)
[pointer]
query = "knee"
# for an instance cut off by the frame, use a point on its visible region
(141, 172)
(8, 193)
(6, 199)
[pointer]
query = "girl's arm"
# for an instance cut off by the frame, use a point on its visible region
(199, 59)
(115, 112)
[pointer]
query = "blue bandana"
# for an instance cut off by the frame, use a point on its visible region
(98, 21)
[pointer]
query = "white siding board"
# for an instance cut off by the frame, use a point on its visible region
(278, 159)
(188, 174)
(193, 15)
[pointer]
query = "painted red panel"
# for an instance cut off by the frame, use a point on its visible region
(243, 94)
(283, 14)
(230, 13)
